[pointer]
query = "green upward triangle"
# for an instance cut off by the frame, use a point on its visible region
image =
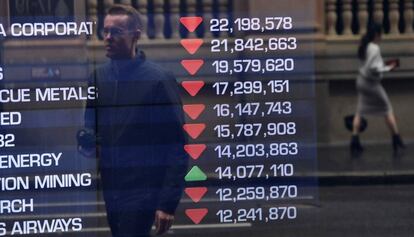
(195, 174)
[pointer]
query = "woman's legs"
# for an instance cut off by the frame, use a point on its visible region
(397, 142)
(391, 123)
(355, 143)
(356, 124)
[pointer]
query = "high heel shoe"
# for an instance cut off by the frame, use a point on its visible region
(355, 145)
(397, 143)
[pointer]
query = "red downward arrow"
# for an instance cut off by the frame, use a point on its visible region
(194, 130)
(194, 111)
(196, 215)
(192, 66)
(192, 45)
(192, 87)
(196, 194)
(195, 150)
(191, 23)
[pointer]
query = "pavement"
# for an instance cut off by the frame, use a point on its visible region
(347, 187)
(335, 165)
(377, 164)
(365, 195)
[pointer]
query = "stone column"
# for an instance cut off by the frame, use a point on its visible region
(347, 16)
(93, 16)
(142, 8)
(408, 16)
(394, 17)
(191, 11)
(208, 15)
(175, 19)
(159, 19)
(378, 12)
(331, 17)
(363, 16)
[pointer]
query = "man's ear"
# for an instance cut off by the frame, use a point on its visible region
(137, 34)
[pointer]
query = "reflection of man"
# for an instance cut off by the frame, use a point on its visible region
(139, 122)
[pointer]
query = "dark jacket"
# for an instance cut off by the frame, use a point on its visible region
(138, 118)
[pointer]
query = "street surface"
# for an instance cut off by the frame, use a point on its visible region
(374, 210)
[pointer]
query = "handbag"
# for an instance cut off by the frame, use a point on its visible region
(349, 120)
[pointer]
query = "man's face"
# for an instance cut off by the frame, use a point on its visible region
(118, 38)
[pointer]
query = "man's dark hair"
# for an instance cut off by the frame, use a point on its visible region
(134, 17)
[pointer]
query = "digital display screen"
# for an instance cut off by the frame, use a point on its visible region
(206, 118)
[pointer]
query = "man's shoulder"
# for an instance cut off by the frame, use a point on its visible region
(142, 70)
(102, 70)
(155, 71)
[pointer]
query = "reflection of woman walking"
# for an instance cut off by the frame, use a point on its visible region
(372, 98)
